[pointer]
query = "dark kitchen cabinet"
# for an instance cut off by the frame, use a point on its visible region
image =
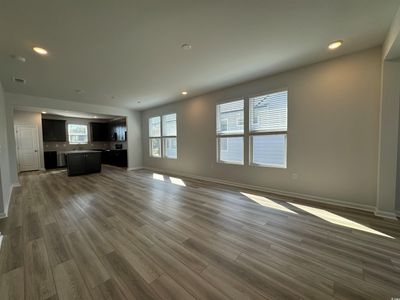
(118, 158)
(117, 131)
(99, 132)
(83, 162)
(50, 159)
(54, 130)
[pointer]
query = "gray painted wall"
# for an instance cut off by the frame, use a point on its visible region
(6, 182)
(332, 132)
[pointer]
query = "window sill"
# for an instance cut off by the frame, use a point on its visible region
(231, 163)
(268, 166)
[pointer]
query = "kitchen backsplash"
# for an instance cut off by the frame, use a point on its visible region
(65, 146)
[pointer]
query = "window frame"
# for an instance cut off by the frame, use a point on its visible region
(87, 133)
(230, 135)
(253, 133)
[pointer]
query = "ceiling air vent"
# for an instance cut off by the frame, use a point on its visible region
(19, 80)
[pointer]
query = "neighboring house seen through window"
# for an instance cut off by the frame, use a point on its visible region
(77, 134)
(268, 134)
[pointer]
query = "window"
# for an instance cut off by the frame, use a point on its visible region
(230, 132)
(155, 136)
(268, 129)
(162, 136)
(169, 135)
(77, 134)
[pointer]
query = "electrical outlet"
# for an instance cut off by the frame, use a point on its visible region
(295, 176)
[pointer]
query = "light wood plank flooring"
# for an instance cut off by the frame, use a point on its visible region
(139, 235)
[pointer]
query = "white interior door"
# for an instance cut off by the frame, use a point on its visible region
(27, 140)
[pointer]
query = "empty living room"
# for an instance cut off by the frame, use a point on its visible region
(226, 149)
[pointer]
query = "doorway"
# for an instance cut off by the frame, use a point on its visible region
(27, 142)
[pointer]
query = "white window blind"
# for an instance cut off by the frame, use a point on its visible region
(77, 134)
(231, 149)
(169, 125)
(169, 135)
(155, 127)
(230, 132)
(170, 149)
(268, 129)
(229, 116)
(269, 150)
(268, 113)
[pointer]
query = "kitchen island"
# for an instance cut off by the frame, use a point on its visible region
(83, 162)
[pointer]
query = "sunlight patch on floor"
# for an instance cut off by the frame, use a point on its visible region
(267, 202)
(338, 220)
(177, 181)
(158, 176)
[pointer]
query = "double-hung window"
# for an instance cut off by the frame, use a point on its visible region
(230, 132)
(268, 129)
(155, 136)
(162, 136)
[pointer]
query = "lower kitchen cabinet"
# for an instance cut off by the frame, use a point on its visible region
(83, 162)
(118, 158)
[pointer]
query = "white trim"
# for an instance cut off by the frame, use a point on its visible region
(385, 214)
(5, 213)
(135, 168)
(324, 200)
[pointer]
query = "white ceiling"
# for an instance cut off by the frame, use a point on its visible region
(67, 113)
(130, 49)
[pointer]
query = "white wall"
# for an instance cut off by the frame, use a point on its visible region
(389, 125)
(332, 132)
(32, 118)
(5, 177)
(14, 101)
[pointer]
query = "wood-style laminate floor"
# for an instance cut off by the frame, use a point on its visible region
(139, 235)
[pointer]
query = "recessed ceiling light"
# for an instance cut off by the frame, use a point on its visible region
(40, 51)
(95, 117)
(139, 101)
(334, 45)
(19, 58)
(186, 46)
(44, 112)
(184, 93)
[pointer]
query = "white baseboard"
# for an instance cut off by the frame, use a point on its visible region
(318, 199)
(135, 168)
(386, 214)
(5, 213)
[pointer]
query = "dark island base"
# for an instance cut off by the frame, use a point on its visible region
(83, 162)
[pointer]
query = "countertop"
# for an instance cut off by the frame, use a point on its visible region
(80, 151)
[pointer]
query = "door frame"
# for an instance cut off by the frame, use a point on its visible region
(17, 144)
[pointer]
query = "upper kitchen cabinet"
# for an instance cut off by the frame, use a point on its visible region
(118, 131)
(99, 132)
(54, 130)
